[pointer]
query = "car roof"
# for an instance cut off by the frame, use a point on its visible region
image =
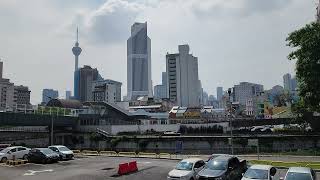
(260, 166)
(41, 148)
(192, 160)
(57, 146)
(223, 157)
(299, 169)
(12, 147)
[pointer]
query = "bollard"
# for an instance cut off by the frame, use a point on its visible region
(13, 157)
(133, 166)
(123, 169)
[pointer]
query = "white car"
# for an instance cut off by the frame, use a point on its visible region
(260, 172)
(186, 169)
(301, 173)
(18, 151)
(64, 152)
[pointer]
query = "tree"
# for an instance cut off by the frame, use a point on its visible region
(306, 45)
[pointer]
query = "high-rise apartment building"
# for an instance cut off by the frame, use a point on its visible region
(11, 95)
(139, 62)
(21, 95)
(48, 94)
(87, 76)
(245, 91)
(183, 85)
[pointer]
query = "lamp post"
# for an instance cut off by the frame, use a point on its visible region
(230, 121)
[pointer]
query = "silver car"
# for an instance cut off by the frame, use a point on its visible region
(64, 152)
(301, 173)
(260, 172)
(186, 169)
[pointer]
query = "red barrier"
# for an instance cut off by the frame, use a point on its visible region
(133, 166)
(123, 169)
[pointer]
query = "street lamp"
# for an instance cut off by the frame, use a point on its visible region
(230, 121)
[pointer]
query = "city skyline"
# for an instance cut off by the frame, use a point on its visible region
(109, 52)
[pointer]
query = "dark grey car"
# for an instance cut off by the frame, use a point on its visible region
(223, 168)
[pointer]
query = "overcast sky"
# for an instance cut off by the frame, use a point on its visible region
(235, 40)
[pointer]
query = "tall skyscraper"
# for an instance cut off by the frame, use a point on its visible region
(183, 85)
(68, 95)
(139, 62)
(76, 50)
(87, 76)
(287, 82)
(48, 94)
(219, 93)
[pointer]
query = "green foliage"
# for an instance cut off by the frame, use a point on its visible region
(306, 45)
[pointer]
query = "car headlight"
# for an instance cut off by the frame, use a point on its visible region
(219, 178)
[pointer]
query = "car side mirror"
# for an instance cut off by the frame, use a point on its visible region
(8, 152)
(273, 171)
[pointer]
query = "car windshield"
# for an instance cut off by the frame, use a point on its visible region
(46, 151)
(217, 165)
(5, 150)
(298, 176)
(63, 148)
(256, 174)
(184, 166)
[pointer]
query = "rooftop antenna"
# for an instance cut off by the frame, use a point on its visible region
(77, 33)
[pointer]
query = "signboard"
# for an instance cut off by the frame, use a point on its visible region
(253, 142)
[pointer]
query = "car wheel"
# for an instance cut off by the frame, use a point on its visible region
(25, 157)
(60, 158)
(4, 159)
(44, 161)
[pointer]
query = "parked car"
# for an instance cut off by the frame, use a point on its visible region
(171, 133)
(64, 152)
(43, 155)
(301, 173)
(18, 151)
(260, 172)
(223, 167)
(186, 169)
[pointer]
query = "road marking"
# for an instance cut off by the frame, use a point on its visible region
(32, 173)
(144, 162)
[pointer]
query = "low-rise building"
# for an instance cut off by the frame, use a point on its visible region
(106, 90)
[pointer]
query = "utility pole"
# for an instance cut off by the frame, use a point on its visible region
(230, 121)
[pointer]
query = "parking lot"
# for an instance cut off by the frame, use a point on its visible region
(93, 168)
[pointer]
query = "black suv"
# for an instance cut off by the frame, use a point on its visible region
(223, 167)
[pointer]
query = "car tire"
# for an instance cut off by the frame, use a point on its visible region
(4, 159)
(25, 157)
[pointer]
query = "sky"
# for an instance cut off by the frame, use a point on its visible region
(234, 40)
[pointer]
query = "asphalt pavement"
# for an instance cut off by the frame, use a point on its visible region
(94, 168)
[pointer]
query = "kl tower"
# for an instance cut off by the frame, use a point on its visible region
(76, 50)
